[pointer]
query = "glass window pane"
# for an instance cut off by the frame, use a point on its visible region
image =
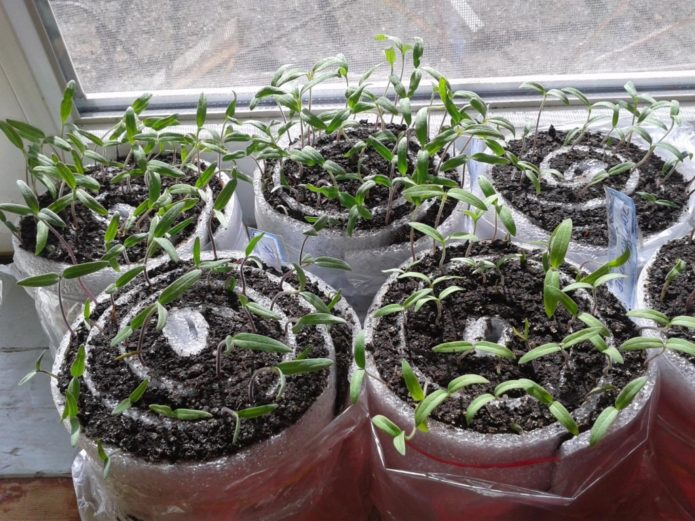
(136, 45)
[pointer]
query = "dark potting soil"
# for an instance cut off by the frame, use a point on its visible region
(589, 224)
(519, 298)
(85, 234)
(330, 147)
(680, 295)
(196, 385)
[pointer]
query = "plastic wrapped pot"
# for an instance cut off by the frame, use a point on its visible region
(492, 469)
(292, 462)
(229, 236)
(536, 215)
(369, 251)
(673, 436)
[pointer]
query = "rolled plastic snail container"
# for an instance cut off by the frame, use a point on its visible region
(368, 252)
(673, 435)
(230, 236)
(450, 473)
(577, 175)
(295, 474)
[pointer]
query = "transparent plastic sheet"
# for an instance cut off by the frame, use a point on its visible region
(323, 476)
(673, 436)
(295, 474)
(586, 254)
(227, 237)
(451, 473)
(494, 481)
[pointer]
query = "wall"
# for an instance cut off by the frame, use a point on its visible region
(21, 99)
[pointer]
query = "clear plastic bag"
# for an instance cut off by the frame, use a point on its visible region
(612, 480)
(316, 476)
(673, 436)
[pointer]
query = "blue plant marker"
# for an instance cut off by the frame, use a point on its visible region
(269, 249)
(622, 234)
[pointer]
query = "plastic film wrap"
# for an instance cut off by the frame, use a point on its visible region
(230, 236)
(673, 436)
(591, 256)
(295, 474)
(451, 473)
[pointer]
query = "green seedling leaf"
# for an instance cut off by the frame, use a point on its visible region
(458, 346)
(252, 243)
(261, 311)
(429, 231)
(315, 319)
(540, 351)
(428, 405)
(627, 395)
(411, 382)
(360, 348)
(28, 196)
(682, 345)
(464, 381)
(307, 365)
(476, 404)
(356, 383)
(649, 314)
(81, 270)
(559, 243)
(78, 364)
(179, 287)
(38, 281)
(384, 424)
(603, 424)
(332, 263)
(255, 342)
(255, 412)
(563, 416)
(388, 309)
(684, 321)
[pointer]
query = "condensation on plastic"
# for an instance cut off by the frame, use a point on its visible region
(367, 252)
(229, 237)
(296, 474)
(673, 436)
(451, 473)
(591, 256)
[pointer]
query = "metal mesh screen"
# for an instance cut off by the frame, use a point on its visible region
(134, 45)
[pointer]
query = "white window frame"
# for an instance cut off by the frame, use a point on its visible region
(42, 43)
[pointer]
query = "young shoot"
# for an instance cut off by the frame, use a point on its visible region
(426, 404)
(676, 271)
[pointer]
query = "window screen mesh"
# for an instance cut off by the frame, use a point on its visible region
(133, 45)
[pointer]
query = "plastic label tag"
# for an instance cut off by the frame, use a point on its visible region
(622, 235)
(269, 249)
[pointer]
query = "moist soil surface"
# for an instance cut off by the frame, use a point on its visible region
(298, 176)
(85, 231)
(568, 380)
(196, 384)
(589, 224)
(679, 298)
